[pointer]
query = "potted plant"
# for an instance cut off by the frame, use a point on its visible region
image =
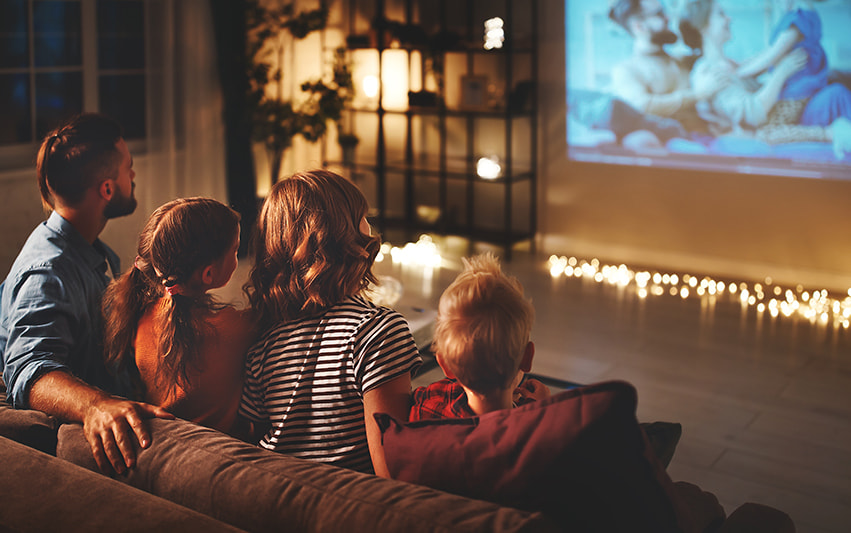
(348, 142)
(275, 120)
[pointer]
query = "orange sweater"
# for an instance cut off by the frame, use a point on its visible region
(212, 398)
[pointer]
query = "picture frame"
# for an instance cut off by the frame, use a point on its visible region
(474, 92)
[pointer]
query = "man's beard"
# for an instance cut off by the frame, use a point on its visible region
(120, 206)
(665, 36)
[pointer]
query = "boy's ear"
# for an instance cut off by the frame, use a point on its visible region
(442, 364)
(528, 355)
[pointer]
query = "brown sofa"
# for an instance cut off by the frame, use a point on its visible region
(257, 490)
(194, 478)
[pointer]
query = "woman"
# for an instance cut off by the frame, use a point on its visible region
(329, 358)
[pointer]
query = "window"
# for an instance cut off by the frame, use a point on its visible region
(121, 63)
(60, 57)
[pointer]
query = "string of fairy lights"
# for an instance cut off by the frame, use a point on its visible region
(815, 306)
(424, 253)
(765, 297)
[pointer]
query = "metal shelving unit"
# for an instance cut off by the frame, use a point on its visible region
(438, 175)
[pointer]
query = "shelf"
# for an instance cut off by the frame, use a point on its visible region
(437, 111)
(418, 160)
(476, 234)
(455, 173)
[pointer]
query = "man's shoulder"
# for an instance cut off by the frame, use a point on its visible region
(45, 257)
(42, 249)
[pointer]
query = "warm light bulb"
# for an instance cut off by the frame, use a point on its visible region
(494, 33)
(488, 167)
(370, 86)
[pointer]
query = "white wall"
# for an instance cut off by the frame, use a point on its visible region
(22, 209)
(793, 230)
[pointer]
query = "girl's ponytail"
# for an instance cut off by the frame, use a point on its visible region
(182, 329)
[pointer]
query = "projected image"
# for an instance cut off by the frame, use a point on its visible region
(750, 86)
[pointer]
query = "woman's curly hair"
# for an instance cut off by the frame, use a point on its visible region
(309, 253)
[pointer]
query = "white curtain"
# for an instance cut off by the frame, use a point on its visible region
(184, 154)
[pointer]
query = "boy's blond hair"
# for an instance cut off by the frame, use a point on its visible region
(483, 326)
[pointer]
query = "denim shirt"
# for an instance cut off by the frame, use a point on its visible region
(50, 316)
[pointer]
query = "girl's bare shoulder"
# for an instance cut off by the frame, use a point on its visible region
(235, 320)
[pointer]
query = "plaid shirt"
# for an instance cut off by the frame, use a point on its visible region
(444, 399)
(441, 399)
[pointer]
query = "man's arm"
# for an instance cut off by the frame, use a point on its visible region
(629, 86)
(112, 425)
(632, 89)
(41, 319)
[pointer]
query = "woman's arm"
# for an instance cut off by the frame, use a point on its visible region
(769, 93)
(771, 55)
(393, 398)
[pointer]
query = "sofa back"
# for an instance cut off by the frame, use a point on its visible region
(258, 490)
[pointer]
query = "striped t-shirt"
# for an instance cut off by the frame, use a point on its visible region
(307, 378)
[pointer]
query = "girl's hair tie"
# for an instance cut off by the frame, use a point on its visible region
(171, 286)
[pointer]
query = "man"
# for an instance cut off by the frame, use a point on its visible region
(652, 81)
(50, 320)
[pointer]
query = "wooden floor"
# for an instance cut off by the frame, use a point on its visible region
(765, 403)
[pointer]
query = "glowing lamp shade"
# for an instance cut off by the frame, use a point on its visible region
(394, 81)
(488, 168)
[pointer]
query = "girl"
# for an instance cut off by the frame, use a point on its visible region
(329, 359)
(189, 349)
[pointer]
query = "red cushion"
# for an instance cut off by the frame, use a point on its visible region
(579, 457)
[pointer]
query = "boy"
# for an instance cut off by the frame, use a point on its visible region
(482, 343)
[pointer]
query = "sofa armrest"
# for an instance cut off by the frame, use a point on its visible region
(33, 428)
(258, 490)
(44, 493)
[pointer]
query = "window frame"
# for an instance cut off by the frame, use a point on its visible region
(20, 155)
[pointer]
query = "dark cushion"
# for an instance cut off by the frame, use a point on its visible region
(579, 457)
(258, 490)
(43, 493)
(33, 428)
(663, 438)
(757, 518)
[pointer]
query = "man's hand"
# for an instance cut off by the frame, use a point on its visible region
(531, 389)
(113, 426)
